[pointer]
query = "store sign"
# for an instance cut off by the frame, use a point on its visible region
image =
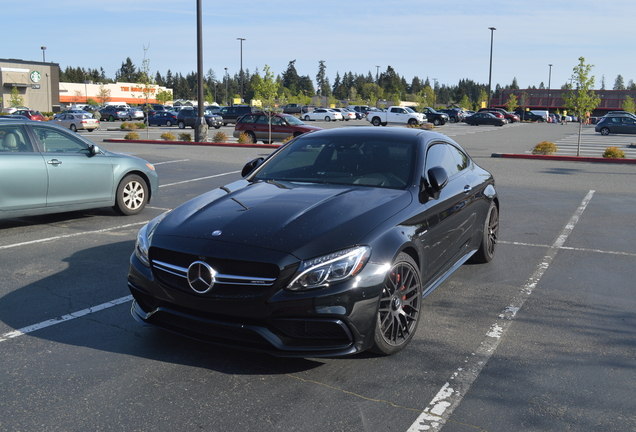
(36, 77)
(35, 86)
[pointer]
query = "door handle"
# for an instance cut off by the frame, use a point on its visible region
(54, 162)
(467, 189)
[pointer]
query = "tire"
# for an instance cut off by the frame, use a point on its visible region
(499, 124)
(132, 195)
(412, 122)
(91, 130)
(168, 123)
(376, 121)
(251, 136)
(306, 118)
(453, 120)
(73, 128)
(384, 124)
(605, 131)
(327, 118)
(488, 245)
(181, 125)
(400, 307)
(437, 122)
(217, 127)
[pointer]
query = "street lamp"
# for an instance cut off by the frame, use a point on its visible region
(492, 31)
(227, 78)
(549, 79)
(377, 74)
(85, 87)
(43, 56)
(241, 39)
(201, 126)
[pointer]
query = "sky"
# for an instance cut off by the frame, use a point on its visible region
(439, 40)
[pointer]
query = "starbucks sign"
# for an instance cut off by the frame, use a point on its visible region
(35, 76)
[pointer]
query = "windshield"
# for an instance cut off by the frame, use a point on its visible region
(360, 160)
(293, 120)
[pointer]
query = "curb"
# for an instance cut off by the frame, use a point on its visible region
(192, 143)
(564, 158)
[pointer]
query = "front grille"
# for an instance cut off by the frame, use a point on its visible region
(235, 279)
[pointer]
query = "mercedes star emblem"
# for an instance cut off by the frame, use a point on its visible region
(201, 277)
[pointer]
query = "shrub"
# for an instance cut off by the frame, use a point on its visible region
(132, 136)
(289, 138)
(185, 137)
(128, 126)
(219, 137)
(614, 152)
(167, 136)
(140, 125)
(544, 148)
(244, 138)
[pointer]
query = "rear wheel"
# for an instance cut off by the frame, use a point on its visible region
(251, 138)
(73, 128)
(168, 123)
(400, 307)
(306, 118)
(605, 131)
(490, 237)
(452, 120)
(132, 195)
(327, 118)
(376, 121)
(181, 125)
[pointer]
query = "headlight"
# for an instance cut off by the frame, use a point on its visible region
(325, 270)
(143, 239)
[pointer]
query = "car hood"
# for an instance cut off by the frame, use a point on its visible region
(300, 219)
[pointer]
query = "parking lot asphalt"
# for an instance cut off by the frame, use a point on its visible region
(540, 339)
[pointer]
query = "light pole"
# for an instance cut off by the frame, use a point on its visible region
(241, 39)
(377, 74)
(227, 78)
(86, 88)
(492, 31)
(549, 79)
(43, 56)
(201, 126)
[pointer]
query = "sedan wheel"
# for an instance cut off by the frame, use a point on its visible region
(490, 237)
(327, 118)
(132, 195)
(400, 307)
(181, 125)
(168, 123)
(73, 128)
(605, 131)
(306, 118)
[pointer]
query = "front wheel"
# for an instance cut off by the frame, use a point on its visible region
(412, 122)
(490, 237)
(400, 307)
(132, 195)
(605, 131)
(181, 125)
(437, 122)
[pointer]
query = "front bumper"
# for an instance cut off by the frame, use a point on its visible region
(329, 322)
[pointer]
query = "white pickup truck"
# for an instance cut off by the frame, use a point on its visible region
(396, 115)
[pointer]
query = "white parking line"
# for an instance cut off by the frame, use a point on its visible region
(73, 315)
(451, 394)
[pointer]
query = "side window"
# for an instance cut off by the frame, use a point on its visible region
(440, 155)
(54, 141)
(14, 139)
(460, 157)
(261, 119)
(248, 119)
(277, 121)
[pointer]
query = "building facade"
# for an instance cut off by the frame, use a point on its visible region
(37, 84)
(130, 93)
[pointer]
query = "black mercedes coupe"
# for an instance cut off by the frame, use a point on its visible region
(325, 248)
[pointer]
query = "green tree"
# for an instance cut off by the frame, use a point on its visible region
(619, 84)
(128, 72)
(103, 95)
(267, 91)
(511, 103)
(16, 98)
(146, 83)
(163, 96)
(628, 105)
(583, 100)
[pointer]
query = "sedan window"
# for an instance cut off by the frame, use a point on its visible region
(14, 139)
(440, 155)
(54, 141)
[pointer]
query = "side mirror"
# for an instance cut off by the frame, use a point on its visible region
(251, 166)
(430, 187)
(93, 150)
